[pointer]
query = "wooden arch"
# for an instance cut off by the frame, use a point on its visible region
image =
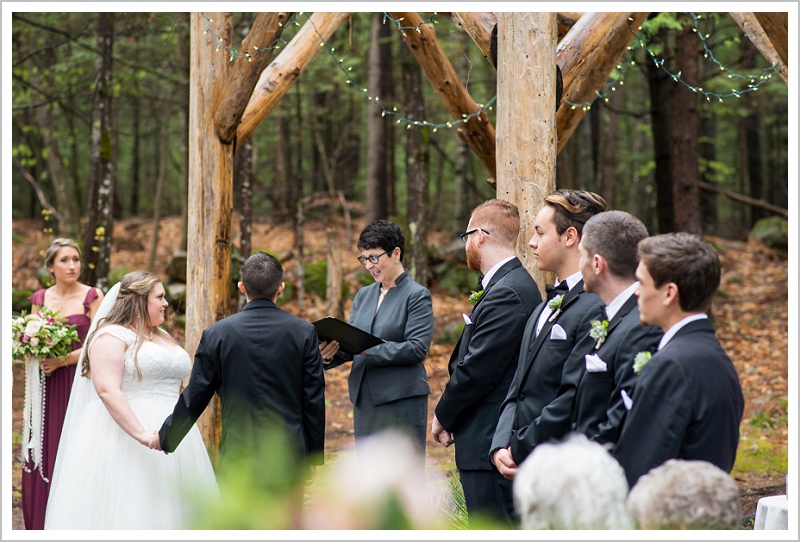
(228, 100)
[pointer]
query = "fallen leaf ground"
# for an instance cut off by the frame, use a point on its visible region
(751, 316)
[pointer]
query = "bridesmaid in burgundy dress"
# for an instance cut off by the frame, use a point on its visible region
(78, 303)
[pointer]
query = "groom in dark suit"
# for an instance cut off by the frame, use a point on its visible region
(554, 329)
(484, 359)
(265, 365)
(687, 402)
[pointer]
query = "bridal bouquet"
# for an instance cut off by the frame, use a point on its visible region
(41, 334)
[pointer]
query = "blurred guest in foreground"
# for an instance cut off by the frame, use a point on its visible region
(573, 484)
(685, 495)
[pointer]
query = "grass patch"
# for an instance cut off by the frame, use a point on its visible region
(762, 447)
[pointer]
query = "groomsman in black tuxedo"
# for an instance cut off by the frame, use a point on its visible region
(553, 330)
(265, 365)
(484, 359)
(609, 258)
(687, 402)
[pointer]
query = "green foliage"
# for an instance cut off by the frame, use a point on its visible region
(459, 279)
(761, 439)
(44, 277)
(288, 293)
(115, 275)
(315, 275)
(19, 299)
(364, 277)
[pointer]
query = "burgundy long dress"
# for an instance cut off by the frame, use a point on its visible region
(36, 482)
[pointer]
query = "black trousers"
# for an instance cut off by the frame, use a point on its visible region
(488, 495)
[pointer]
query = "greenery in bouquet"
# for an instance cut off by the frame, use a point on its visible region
(42, 333)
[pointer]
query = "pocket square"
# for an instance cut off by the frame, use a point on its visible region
(626, 399)
(594, 364)
(557, 333)
(466, 319)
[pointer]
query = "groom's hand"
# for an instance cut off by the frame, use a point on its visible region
(155, 442)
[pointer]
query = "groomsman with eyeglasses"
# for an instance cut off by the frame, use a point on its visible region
(687, 402)
(484, 359)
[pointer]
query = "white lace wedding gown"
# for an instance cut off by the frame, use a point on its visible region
(104, 479)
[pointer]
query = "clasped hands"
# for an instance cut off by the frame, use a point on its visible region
(152, 441)
(440, 434)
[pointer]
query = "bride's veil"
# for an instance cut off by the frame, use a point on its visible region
(82, 388)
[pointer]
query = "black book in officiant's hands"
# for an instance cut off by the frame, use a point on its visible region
(351, 340)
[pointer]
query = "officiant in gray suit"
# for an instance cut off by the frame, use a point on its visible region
(388, 383)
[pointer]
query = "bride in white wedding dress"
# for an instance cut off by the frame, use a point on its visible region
(105, 475)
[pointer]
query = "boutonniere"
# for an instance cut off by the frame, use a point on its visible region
(475, 296)
(599, 332)
(641, 360)
(555, 306)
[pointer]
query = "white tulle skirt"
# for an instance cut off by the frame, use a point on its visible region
(104, 479)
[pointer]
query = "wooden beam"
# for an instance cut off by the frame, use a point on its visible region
(481, 28)
(587, 55)
(234, 98)
(756, 34)
(526, 133)
(776, 26)
(208, 254)
(278, 78)
(477, 132)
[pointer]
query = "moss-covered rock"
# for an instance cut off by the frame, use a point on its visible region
(773, 231)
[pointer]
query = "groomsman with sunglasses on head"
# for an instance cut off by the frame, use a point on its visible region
(554, 329)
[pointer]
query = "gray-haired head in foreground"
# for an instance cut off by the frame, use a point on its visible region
(681, 494)
(574, 484)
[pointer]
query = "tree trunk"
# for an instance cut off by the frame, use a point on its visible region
(283, 165)
(208, 257)
(99, 222)
(752, 134)
(183, 48)
(417, 163)
(136, 127)
(608, 174)
(526, 151)
(684, 133)
(661, 88)
(246, 211)
(162, 171)
(377, 125)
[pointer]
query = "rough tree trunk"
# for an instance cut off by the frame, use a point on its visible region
(99, 222)
(377, 125)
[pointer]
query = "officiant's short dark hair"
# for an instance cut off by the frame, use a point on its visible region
(261, 275)
(383, 234)
(687, 260)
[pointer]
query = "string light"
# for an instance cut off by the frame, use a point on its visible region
(755, 81)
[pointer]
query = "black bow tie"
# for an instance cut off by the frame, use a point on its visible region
(553, 291)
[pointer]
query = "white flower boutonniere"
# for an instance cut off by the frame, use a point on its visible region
(641, 360)
(555, 306)
(475, 296)
(599, 332)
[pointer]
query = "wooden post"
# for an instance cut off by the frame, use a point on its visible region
(526, 124)
(208, 255)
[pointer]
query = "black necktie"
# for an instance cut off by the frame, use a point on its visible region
(553, 291)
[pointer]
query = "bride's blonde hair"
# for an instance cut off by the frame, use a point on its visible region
(130, 311)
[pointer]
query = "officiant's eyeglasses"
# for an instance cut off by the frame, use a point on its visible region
(374, 259)
(466, 234)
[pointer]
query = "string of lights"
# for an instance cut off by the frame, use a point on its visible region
(754, 81)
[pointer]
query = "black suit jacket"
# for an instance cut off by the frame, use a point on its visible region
(540, 372)
(265, 365)
(687, 404)
(598, 408)
(483, 363)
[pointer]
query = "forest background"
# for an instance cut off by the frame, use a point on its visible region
(332, 152)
